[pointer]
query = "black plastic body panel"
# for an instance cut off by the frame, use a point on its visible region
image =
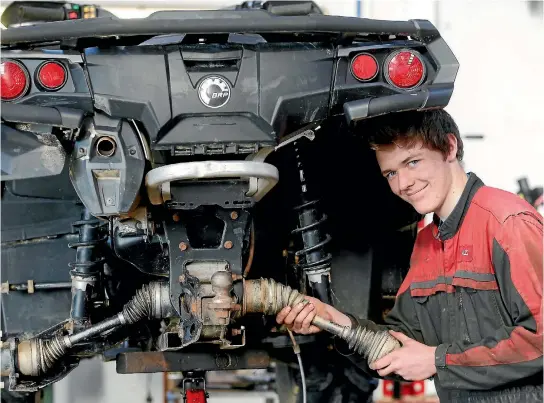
(221, 22)
(23, 312)
(298, 72)
(131, 84)
(52, 116)
(274, 88)
(30, 210)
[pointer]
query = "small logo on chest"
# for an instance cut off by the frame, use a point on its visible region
(465, 253)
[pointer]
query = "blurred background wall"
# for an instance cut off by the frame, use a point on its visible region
(498, 104)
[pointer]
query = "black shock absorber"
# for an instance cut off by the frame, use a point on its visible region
(314, 259)
(86, 268)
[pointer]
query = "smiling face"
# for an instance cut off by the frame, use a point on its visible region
(419, 175)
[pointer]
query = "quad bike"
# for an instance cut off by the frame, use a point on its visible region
(170, 183)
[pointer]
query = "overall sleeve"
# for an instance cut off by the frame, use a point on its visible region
(514, 352)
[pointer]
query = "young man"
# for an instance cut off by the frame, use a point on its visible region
(469, 312)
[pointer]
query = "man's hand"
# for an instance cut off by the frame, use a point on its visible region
(414, 361)
(299, 318)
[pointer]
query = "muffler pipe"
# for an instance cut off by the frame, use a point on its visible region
(269, 297)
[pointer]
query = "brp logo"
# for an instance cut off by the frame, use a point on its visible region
(214, 92)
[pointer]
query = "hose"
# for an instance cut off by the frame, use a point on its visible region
(37, 356)
(296, 349)
(269, 297)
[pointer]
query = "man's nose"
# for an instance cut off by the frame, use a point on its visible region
(405, 180)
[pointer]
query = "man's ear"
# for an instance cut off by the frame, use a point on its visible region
(452, 147)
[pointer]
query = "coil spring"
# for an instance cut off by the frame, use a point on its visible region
(86, 262)
(314, 244)
(313, 252)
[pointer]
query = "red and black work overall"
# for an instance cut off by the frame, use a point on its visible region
(474, 290)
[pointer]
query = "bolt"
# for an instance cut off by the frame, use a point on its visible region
(234, 215)
(182, 246)
(132, 151)
(175, 217)
(228, 245)
(82, 150)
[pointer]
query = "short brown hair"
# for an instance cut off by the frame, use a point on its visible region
(431, 127)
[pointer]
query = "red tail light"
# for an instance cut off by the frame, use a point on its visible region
(15, 80)
(405, 69)
(364, 67)
(51, 76)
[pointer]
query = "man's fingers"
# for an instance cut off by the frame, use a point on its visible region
(290, 319)
(280, 317)
(388, 370)
(400, 336)
(308, 321)
(382, 362)
(301, 317)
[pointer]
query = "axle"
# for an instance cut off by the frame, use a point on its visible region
(270, 297)
(37, 356)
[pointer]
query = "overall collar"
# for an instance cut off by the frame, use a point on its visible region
(448, 228)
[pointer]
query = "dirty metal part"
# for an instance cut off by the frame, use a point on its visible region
(6, 287)
(267, 175)
(5, 360)
(86, 267)
(249, 262)
(36, 356)
(221, 304)
(304, 132)
(105, 146)
(108, 184)
(26, 155)
(136, 220)
(143, 141)
(269, 297)
(198, 262)
(170, 361)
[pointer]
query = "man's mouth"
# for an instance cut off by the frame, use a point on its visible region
(415, 193)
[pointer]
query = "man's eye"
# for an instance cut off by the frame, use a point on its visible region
(413, 163)
(389, 175)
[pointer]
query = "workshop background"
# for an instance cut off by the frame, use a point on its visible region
(497, 103)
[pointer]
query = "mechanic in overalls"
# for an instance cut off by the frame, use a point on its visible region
(469, 312)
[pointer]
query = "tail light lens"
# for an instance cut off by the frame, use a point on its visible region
(51, 76)
(405, 69)
(364, 67)
(15, 80)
